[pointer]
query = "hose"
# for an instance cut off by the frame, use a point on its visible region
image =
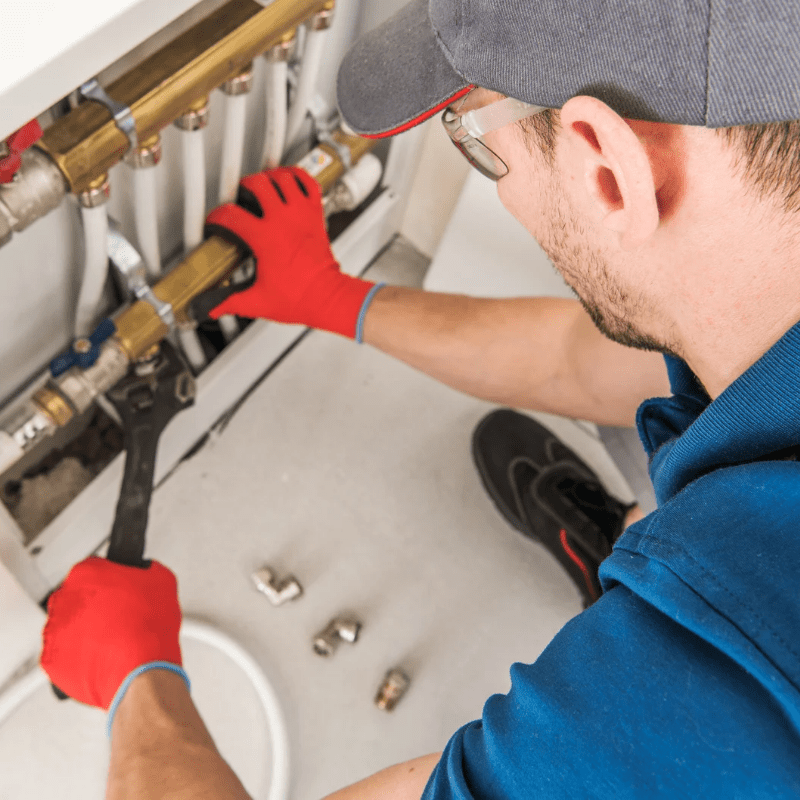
(194, 187)
(232, 147)
(95, 269)
(278, 788)
(146, 219)
(309, 72)
(277, 113)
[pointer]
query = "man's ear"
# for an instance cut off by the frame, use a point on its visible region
(615, 168)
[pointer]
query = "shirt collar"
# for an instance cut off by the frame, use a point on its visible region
(687, 435)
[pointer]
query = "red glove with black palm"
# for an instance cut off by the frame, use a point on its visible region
(105, 623)
(279, 218)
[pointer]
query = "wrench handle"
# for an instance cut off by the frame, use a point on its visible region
(130, 521)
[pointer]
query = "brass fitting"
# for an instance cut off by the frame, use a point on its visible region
(241, 84)
(148, 155)
(338, 630)
(392, 690)
(284, 50)
(323, 19)
(97, 193)
(54, 406)
(195, 118)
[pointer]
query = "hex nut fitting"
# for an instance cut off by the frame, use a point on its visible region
(323, 19)
(148, 154)
(284, 50)
(338, 630)
(240, 84)
(392, 690)
(97, 194)
(194, 118)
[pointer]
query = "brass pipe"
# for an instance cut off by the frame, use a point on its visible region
(139, 327)
(86, 143)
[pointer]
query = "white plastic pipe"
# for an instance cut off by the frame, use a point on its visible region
(277, 100)
(309, 71)
(146, 215)
(278, 788)
(232, 146)
(276, 724)
(194, 187)
(231, 173)
(194, 216)
(229, 326)
(192, 349)
(95, 268)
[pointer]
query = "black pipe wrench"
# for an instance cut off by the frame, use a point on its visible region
(146, 399)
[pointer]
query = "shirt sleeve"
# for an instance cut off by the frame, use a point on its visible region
(624, 702)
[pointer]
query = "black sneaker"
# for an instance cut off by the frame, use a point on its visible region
(545, 491)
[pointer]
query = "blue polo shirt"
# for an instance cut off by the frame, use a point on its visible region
(683, 680)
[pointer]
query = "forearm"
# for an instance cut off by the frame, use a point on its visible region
(160, 747)
(405, 781)
(540, 353)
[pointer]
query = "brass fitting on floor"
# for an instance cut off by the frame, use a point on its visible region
(338, 630)
(392, 690)
(277, 592)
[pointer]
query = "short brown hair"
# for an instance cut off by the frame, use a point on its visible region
(769, 157)
(540, 131)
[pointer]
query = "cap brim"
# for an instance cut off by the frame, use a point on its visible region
(397, 76)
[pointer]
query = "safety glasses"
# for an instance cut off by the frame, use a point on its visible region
(466, 129)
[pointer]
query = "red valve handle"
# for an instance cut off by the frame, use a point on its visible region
(18, 142)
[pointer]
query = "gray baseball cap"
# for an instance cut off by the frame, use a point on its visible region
(693, 62)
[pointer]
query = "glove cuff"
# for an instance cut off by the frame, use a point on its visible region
(335, 303)
(363, 313)
(166, 665)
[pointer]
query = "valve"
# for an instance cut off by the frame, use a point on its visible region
(84, 352)
(11, 150)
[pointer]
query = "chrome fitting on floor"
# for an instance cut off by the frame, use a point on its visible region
(339, 629)
(277, 593)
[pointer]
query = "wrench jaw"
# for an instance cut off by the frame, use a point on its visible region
(147, 399)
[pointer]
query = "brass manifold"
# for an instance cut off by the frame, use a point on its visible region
(86, 143)
(140, 328)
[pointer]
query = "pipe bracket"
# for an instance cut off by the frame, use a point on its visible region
(123, 116)
(131, 269)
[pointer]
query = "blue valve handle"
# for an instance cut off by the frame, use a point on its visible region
(86, 358)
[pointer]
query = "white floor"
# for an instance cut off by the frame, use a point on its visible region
(352, 472)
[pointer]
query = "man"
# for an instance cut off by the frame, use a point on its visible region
(683, 679)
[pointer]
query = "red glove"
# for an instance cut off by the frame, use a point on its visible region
(104, 622)
(280, 219)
